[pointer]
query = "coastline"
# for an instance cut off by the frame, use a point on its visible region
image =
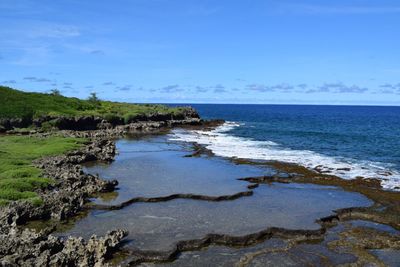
(64, 200)
(97, 250)
(377, 213)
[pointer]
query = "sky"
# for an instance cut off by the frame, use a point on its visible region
(221, 51)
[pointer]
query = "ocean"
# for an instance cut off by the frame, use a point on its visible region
(347, 141)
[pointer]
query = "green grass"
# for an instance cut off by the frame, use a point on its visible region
(18, 177)
(18, 104)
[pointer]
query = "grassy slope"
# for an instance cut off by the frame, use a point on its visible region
(17, 104)
(18, 178)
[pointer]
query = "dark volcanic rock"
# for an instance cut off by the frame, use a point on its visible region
(9, 124)
(77, 123)
(29, 248)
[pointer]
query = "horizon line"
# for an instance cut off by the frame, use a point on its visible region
(272, 104)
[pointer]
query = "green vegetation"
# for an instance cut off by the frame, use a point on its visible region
(18, 177)
(18, 104)
(93, 98)
(55, 92)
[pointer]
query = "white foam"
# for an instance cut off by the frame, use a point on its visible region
(225, 145)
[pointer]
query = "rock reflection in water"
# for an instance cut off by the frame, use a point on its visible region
(157, 226)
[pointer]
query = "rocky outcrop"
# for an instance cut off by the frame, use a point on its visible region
(109, 131)
(71, 188)
(64, 198)
(29, 248)
(8, 124)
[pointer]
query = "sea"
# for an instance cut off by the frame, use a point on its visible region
(346, 141)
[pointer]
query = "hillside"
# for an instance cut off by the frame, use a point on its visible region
(18, 104)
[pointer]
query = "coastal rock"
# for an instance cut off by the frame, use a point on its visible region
(77, 123)
(11, 123)
(78, 252)
(71, 187)
(107, 132)
(29, 248)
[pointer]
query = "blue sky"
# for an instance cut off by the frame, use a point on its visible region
(299, 51)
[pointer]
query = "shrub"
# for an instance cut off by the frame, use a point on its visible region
(93, 97)
(130, 117)
(113, 118)
(27, 114)
(47, 126)
(55, 92)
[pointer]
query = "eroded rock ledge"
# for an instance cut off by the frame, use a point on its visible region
(171, 197)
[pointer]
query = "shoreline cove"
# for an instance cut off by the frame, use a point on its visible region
(378, 213)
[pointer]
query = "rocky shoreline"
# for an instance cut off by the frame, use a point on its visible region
(72, 188)
(65, 198)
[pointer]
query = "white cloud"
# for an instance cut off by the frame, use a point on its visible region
(54, 31)
(335, 9)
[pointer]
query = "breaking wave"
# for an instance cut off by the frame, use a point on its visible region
(221, 143)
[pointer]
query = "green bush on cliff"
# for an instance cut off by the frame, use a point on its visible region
(18, 177)
(113, 118)
(130, 117)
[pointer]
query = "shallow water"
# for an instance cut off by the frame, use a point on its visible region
(152, 167)
(158, 226)
(224, 256)
(390, 257)
(278, 252)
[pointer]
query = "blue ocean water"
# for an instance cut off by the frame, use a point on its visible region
(365, 138)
